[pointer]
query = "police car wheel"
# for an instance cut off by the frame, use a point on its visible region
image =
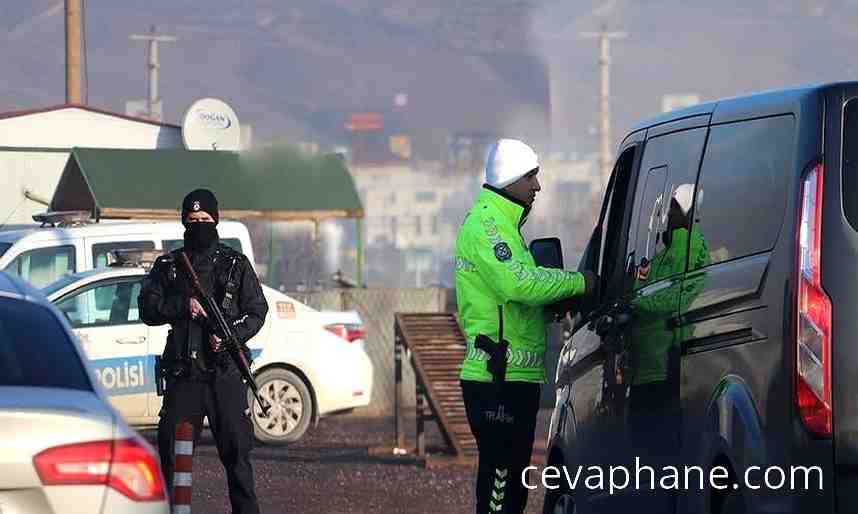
(291, 407)
(558, 502)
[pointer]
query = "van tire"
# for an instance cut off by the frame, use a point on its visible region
(291, 407)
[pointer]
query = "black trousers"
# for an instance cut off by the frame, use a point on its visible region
(223, 399)
(503, 421)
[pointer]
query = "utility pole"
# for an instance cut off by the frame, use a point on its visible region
(153, 64)
(606, 157)
(74, 53)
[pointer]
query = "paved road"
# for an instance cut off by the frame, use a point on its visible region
(330, 471)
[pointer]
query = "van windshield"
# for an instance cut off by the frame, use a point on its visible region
(4, 247)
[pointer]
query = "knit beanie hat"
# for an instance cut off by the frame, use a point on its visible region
(509, 160)
(200, 200)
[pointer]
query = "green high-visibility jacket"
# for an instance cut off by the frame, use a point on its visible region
(494, 267)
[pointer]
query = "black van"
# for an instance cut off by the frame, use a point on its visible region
(724, 335)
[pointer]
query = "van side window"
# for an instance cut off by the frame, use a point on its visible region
(742, 189)
(100, 250)
(650, 206)
(42, 266)
(171, 244)
(659, 232)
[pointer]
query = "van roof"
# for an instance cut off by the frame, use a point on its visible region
(95, 229)
(765, 103)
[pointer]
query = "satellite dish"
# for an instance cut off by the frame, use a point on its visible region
(211, 124)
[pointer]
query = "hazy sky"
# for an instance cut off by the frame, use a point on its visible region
(477, 65)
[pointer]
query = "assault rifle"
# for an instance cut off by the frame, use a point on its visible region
(232, 345)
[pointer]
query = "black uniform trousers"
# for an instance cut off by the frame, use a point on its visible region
(503, 420)
(222, 398)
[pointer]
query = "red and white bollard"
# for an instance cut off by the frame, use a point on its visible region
(183, 471)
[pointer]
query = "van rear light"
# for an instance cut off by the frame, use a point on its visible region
(125, 465)
(813, 308)
(350, 333)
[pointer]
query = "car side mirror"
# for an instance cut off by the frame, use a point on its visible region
(547, 252)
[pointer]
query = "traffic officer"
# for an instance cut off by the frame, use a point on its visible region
(497, 282)
(202, 379)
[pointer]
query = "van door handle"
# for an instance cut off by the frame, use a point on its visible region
(132, 340)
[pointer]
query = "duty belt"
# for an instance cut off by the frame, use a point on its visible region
(518, 358)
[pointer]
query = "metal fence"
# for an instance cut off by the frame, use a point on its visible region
(377, 308)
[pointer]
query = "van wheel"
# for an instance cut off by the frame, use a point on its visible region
(558, 502)
(291, 407)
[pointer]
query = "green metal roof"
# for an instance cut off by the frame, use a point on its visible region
(270, 184)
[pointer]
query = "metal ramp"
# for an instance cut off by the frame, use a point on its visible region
(435, 345)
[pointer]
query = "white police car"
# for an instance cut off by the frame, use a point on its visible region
(306, 364)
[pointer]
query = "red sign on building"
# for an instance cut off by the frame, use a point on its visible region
(365, 122)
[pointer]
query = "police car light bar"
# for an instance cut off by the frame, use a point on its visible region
(133, 258)
(63, 218)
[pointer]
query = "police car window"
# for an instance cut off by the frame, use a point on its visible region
(172, 244)
(113, 303)
(100, 250)
(42, 266)
(4, 247)
(36, 351)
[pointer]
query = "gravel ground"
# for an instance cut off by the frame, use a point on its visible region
(331, 471)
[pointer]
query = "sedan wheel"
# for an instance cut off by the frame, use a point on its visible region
(291, 407)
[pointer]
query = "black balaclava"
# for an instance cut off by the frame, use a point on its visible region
(200, 235)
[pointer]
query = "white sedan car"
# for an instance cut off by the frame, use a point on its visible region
(306, 365)
(63, 448)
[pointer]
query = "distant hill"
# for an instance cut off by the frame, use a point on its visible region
(465, 65)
